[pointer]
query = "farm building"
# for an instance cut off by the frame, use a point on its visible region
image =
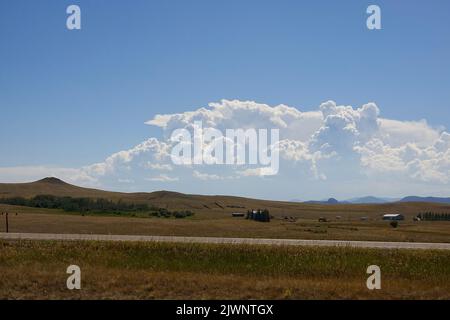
(259, 215)
(393, 216)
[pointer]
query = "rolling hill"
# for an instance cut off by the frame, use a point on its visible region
(216, 203)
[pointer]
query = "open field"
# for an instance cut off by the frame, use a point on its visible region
(36, 269)
(213, 217)
(34, 220)
(203, 271)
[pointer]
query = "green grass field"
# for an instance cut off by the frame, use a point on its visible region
(37, 270)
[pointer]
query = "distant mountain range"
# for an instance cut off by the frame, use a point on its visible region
(377, 200)
(425, 199)
(371, 199)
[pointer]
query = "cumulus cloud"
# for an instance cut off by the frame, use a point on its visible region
(235, 114)
(320, 139)
(428, 164)
(344, 127)
(151, 148)
(332, 142)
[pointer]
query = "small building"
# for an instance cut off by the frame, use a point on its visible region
(238, 214)
(393, 216)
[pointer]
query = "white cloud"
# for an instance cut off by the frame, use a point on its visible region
(163, 178)
(206, 176)
(149, 148)
(259, 172)
(334, 143)
(344, 127)
(397, 133)
(235, 114)
(158, 166)
(428, 164)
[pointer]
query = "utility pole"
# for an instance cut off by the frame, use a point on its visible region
(7, 224)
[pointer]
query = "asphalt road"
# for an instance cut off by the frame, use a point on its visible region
(252, 241)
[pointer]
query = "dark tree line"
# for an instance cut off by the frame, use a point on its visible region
(75, 204)
(162, 212)
(433, 216)
(258, 215)
(92, 205)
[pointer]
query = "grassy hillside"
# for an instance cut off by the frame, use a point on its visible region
(217, 204)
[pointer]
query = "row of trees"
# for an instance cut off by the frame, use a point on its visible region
(433, 216)
(258, 215)
(161, 212)
(76, 204)
(92, 205)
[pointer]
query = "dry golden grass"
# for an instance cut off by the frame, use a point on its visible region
(36, 270)
(222, 225)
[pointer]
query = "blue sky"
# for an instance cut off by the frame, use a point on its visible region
(73, 98)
